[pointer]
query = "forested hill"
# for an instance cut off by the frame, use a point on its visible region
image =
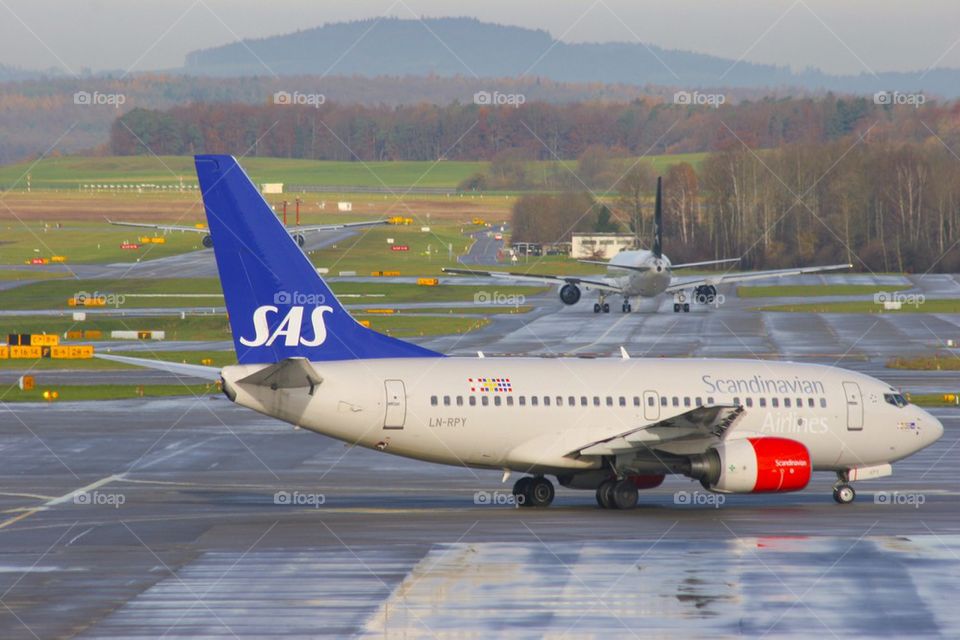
(467, 47)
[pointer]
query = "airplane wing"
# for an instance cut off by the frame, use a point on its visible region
(723, 278)
(615, 266)
(587, 283)
(335, 227)
(177, 368)
(710, 422)
(703, 263)
(159, 227)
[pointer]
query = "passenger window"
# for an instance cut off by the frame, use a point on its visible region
(623, 401)
(749, 402)
(509, 401)
(459, 401)
(523, 401)
(559, 401)
(583, 401)
(433, 400)
(775, 403)
(473, 401)
(609, 401)
(596, 401)
(786, 402)
(763, 402)
(572, 401)
(686, 401)
(709, 400)
(810, 402)
(497, 400)
(485, 400)
(546, 401)
(650, 401)
(799, 403)
(663, 401)
(823, 402)
(676, 401)
(698, 401)
(446, 401)
(636, 401)
(736, 401)
(533, 401)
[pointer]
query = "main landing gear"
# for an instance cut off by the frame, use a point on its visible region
(533, 491)
(680, 302)
(602, 305)
(626, 308)
(617, 494)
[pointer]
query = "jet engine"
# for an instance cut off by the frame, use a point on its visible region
(207, 241)
(570, 294)
(753, 465)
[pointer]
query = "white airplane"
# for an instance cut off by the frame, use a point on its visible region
(613, 425)
(296, 232)
(647, 274)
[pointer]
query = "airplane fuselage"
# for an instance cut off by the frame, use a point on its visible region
(532, 414)
(646, 284)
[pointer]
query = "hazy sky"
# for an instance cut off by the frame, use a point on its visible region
(839, 36)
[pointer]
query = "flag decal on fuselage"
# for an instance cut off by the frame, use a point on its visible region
(490, 385)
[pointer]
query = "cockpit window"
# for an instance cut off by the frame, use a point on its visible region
(895, 399)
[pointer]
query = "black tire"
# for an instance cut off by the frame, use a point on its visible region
(604, 498)
(624, 495)
(520, 490)
(686, 307)
(676, 308)
(596, 307)
(539, 493)
(844, 494)
(606, 307)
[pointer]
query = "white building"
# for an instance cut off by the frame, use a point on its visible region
(600, 245)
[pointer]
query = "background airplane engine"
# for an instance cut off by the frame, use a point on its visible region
(705, 294)
(754, 465)
(570, 294)
(207, 241)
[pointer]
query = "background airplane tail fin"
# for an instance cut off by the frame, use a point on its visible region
(279, 306)
(658, 221)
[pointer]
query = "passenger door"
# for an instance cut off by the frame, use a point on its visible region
(854, 400)
(396, 403)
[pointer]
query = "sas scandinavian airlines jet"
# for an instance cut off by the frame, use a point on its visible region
(612, 426)
(647, 274)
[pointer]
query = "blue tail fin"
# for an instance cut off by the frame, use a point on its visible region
(279, 306)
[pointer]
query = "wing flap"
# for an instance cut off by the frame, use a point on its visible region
(754, 275)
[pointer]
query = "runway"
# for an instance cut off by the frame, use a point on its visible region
(168, 518)
(192, 517)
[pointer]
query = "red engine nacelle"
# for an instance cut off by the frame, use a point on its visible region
(755, 465)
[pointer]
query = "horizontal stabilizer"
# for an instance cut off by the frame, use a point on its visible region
(292, 373)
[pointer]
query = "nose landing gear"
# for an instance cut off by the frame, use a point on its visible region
(680, 302)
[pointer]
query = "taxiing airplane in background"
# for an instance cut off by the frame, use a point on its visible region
(296, 232)
(646, 273)
(611, 425)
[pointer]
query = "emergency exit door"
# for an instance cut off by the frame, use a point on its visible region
(396, 404)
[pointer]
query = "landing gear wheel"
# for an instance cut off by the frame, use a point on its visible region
(539, 493)
(624, 495)
(300, 240)
(606, 307)
(626, 307)
(676, 308)
(604, 494)
(844, 494)
(686, 307)
(520, 490)
(596, 307)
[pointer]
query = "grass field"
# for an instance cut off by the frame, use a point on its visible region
(867, 306)
(812, 290)
(133, 293)
(939, 362)
(74, 393)
(932, 400)
(72, 171)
